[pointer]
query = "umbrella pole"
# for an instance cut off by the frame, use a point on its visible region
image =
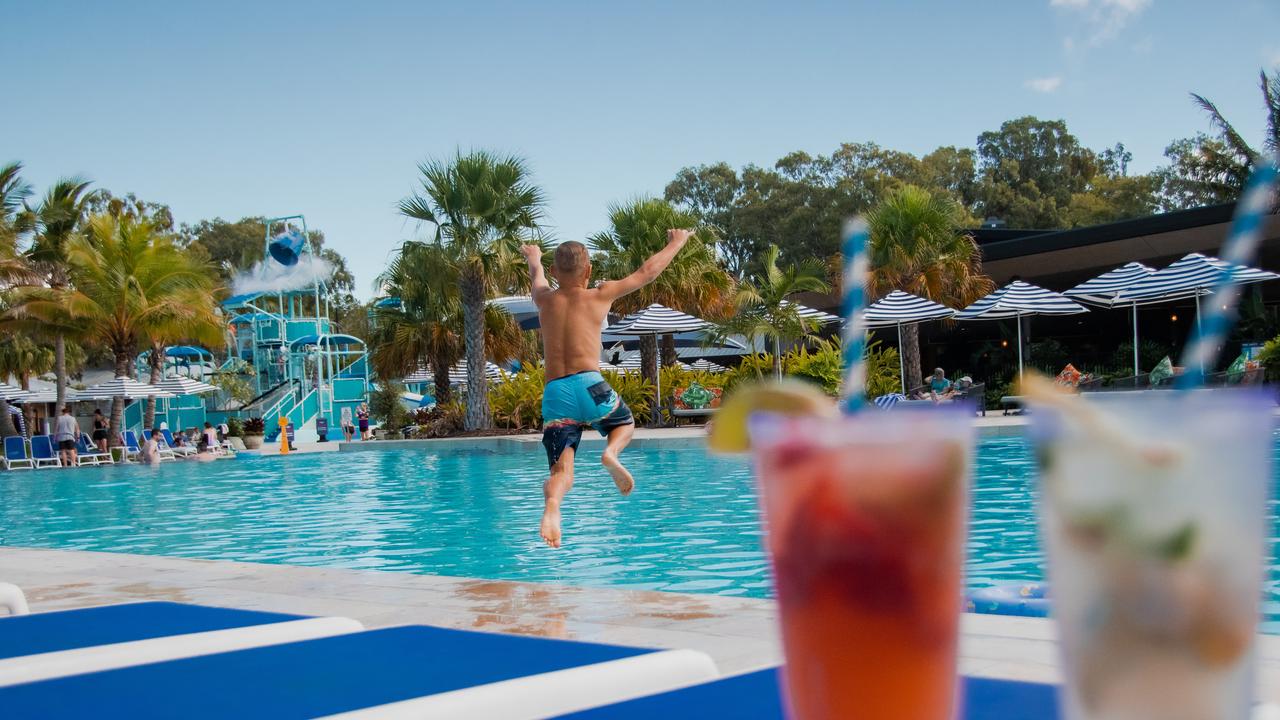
(1019, 319)
(657, 362)
(1135, 340)
(1199, 330)
(902, 368)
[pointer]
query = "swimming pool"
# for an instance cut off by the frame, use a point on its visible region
(691, 525)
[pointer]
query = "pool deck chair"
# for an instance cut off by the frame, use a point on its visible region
(756, 695)
(131, 449)
(42, 452)
(15, 454)
(86, 454)
(166, 453)
(410, 672)
(43, 646)
(166, 440)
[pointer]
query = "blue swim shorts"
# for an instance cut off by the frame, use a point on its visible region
(575, 401)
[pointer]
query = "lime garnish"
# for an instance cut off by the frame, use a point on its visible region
(787, 397)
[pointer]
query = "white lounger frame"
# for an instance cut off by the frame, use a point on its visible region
(555, 693)
(44, 666)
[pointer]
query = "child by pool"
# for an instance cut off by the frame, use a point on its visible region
(576, 395)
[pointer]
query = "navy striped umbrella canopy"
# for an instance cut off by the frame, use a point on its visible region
(809, 313)
(656, 320)
(1193, 275)
(9, 392)
(900, 308)
(1020, 298)
(1105, 289)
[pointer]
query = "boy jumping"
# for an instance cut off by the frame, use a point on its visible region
(576, 395)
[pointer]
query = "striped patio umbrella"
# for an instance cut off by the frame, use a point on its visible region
(458, 373)
(422, 374)
(10, 392)
(899, 308)
(125, 387)
(657, 320)
(1019, 299)
(809, 313)
(179, 385)
(1192, 276)
(705, 365)
(1106, 289)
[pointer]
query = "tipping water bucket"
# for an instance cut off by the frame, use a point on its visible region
(286, 247)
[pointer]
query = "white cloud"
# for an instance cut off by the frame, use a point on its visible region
(1045, 84)
(1104, 19)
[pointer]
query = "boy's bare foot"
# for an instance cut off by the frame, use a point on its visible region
(551, 526)
(621, 476)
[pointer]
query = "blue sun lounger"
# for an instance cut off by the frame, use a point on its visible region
(756, 696)
(87, 454)
(42, 452)
(68, 642)
(411, 671)
(15, 454)
(131, 448)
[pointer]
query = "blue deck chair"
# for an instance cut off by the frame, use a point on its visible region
(87, 454)
(166, 440)
(756, 695)
(166, 453)
(416, 671)
(15, 454)
(42, 452)
(131, 448)
(56, 644)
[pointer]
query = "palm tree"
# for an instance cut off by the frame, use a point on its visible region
(1232, 156)
(127, 284)
(919, 245)
(428, 327)
(693, 282)
(762, 308)
(482, 206)
(54, 223)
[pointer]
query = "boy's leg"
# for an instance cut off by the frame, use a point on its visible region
(618, 439)
(553, 491)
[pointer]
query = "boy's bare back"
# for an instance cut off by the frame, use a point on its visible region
(572, 314)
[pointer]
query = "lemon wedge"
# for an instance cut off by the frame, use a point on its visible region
(793, 398)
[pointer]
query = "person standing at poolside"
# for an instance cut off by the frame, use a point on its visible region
(362, 417)
(100, 431)
(65, 432)
(576, 395)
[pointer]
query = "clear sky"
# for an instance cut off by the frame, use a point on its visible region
(324, 108)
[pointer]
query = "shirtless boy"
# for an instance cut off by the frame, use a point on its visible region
(576, 395)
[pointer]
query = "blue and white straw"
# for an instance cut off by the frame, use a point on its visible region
(856, 263)
(1239, 250)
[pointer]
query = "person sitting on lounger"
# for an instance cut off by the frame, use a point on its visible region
(576, 395)
(939, 386)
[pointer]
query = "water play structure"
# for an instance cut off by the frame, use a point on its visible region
(281, 341)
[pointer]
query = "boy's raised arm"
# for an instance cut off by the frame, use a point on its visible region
(537, 278)
(650, 269)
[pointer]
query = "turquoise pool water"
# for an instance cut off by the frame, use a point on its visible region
(691, 526)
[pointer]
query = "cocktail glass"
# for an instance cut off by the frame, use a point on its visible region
(1153, 511)
(865, 518)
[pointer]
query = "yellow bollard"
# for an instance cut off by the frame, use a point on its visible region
(284, 435)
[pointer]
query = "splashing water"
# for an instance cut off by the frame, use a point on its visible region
(270, 276)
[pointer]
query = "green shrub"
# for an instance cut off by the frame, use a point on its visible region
(386, 407)
(884, 372)
(636, 392)
(439, 420)
(676, 376)
(235, 427)
(1270, 359)
(752, 369)
(517, 402)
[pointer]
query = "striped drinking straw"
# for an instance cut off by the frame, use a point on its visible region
(1240, 248)
(856, 262)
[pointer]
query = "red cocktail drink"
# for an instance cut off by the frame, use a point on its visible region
(866, 525)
